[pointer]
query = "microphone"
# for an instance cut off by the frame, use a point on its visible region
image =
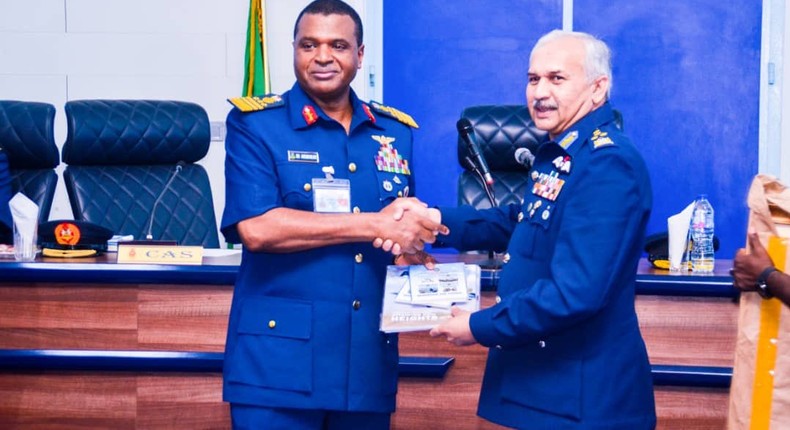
(469, 164)
(525, 157)
(179, 166)
(467, 133)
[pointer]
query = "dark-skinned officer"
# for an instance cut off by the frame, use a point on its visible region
(312, 177)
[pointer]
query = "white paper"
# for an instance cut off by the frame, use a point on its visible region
(678, 230)
(25, 214)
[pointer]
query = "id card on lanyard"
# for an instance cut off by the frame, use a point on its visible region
(331, 195)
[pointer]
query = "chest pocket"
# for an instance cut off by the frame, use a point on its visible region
(533, 229)
(296, 184)
(391, 186)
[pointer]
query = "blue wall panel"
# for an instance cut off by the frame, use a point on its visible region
(440, 57)
(686, 77)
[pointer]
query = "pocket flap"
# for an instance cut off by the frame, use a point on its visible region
(277, 317)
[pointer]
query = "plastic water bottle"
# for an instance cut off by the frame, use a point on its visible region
(701, 230)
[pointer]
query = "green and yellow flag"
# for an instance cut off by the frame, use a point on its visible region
(256, 59)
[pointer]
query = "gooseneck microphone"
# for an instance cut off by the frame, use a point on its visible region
(469, 164)
(467, 133)
(525, 157)
(180, 165)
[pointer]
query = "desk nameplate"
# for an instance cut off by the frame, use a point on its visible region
(159, 254)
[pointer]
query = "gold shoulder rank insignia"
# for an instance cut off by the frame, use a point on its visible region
(394, 113)
(253, 104)
(601, 139)
(569, 139)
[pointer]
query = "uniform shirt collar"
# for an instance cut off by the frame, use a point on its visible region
(298, 100)
(584, 128)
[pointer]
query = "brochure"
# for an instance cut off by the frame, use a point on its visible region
(416, 298)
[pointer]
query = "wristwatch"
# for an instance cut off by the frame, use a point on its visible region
(762, 283)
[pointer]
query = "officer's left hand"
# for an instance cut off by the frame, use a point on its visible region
(456, 329)
(419, 257)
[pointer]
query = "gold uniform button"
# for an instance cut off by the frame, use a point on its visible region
(308, 187)
(358, 258)
(356, 209)
(356, 304)
(506, 258)
(352, 167)
(272, 324)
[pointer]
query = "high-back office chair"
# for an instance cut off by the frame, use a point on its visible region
(27, 135)
(130, 169)
(501, 130)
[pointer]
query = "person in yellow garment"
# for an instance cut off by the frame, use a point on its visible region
(753, 270)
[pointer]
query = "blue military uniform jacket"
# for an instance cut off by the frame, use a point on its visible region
(304, 326)
(6, 221)
(565, 347)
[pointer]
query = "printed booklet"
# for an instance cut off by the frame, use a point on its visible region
(416, 298)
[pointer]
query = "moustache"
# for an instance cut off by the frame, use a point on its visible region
(543, 105)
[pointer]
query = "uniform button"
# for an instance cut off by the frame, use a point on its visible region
(498, 347)
(356, 209)
(520, 216)
(542, 344)
(352, 167)
(498, 299)
(308, 187)
(356, 305)
(358, 258)
(534, 175)
(506, 258)
(272, 324)
(400, 193)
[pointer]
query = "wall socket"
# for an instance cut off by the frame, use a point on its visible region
(217, 131)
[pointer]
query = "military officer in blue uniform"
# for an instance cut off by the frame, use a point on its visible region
(312, 176)
(565, 350)
(6, 223)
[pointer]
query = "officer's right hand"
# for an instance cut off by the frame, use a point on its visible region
(407, 225)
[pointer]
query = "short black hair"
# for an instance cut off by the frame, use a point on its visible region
(332, 7)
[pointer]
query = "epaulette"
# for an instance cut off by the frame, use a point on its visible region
(601, 139)
(394, 113)
(254, 104)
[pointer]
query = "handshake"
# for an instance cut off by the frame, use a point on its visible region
(406, 225)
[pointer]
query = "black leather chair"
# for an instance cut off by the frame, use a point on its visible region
(501, 130)
(122, 158)
(27, 134)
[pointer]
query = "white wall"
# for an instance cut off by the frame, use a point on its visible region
(193, 50)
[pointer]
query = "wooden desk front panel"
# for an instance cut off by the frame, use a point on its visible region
(690, 331)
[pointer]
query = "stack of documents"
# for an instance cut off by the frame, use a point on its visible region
(416, 298)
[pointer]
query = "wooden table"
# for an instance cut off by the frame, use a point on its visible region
(102, 345)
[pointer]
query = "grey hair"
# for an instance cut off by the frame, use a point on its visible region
(599, 58)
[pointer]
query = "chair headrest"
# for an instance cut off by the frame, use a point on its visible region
(500, 130)
(135, 132)
(27, 134)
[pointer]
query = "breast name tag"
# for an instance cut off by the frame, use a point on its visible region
(331, 195)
